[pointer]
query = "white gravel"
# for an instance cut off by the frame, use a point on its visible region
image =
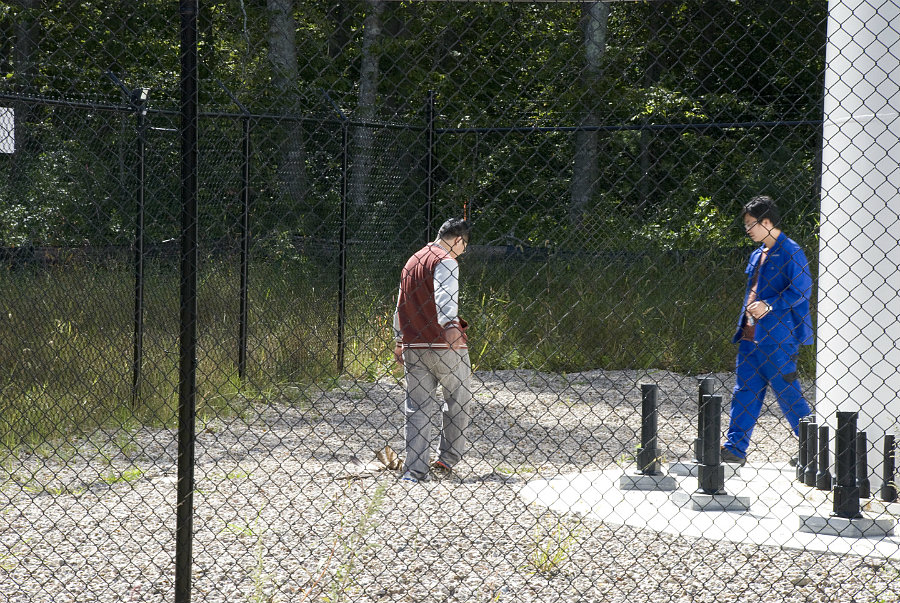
(277, 519)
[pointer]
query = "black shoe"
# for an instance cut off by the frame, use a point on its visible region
(731, 458)
(794, 461)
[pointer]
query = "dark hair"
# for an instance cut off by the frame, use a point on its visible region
(760, 208)
(455, 227)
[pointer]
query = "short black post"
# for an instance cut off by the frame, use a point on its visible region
(888, 481)
(711, 473)
(846, 493)
(802, 456)
(648, 458)
(705, 389)
(812, 452)
(823, 475)
(862, 465)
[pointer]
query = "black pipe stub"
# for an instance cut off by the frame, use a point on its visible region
(803, 452)
(649, 475)
(847, 521)
(711, 473)
(823, 475)
(889, 479)
(862, 465)
(705, 388)
(812, 453)
(648, 455)
(711, 494)
(846, 492)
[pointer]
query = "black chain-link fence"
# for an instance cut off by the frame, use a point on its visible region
(603, 154)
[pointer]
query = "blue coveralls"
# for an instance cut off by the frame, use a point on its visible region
(785, 283)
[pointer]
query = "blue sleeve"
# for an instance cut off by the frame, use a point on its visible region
(799, 278)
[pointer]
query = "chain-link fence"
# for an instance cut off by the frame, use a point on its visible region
(244, 433)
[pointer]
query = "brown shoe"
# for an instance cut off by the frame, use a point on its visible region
(727, 456)
(441, 470)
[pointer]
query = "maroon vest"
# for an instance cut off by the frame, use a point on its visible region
(416, 308)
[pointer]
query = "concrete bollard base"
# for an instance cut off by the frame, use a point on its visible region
(701, 501)
(862, 527)
(638, 481)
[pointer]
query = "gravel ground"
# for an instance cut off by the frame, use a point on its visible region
(280, 517)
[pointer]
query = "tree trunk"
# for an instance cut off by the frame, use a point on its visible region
(363, 136)
(283, 57)
(340, 35)
(26, 32)
(647, 185)
(594, 19)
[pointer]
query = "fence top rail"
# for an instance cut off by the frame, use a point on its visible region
(335, 120)
(129, 108)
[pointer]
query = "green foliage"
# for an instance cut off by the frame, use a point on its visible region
(549, 550)
(685, 93)
(66, 360)
(489, 64)
(616, 311)
(352, 546)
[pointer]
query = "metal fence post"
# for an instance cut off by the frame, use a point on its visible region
(245, 247)
(429, 166)
(139, 98)
(188, 10)
(243, 318)
(342, 253)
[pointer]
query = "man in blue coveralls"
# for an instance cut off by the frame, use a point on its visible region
(773, 324)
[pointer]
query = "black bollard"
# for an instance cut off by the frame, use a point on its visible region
(648, 459)
(705, 389)
(711, 474)
(812, 452)
(802, 456)
(888, 483)
(823, 475)
(862, 465)
(846, 493)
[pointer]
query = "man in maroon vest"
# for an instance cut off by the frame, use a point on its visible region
(431, 346)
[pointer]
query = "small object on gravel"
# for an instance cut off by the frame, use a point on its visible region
(389, 458)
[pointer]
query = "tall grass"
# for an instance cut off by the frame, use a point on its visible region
(66, 332)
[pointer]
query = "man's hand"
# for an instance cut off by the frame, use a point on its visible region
(454, 336)
(398, 353)
(758, 309)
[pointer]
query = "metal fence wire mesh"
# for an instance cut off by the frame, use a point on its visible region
(593, 441)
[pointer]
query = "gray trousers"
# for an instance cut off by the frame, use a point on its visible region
(426, 368)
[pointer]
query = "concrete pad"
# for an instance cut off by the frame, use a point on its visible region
(647, 482)
(773, 519)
